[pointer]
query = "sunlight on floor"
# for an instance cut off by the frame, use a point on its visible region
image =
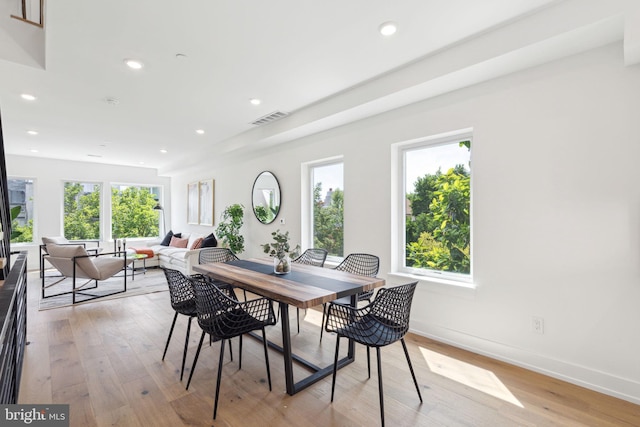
(312, 316)
(469, 375)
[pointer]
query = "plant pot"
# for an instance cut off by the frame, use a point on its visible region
(282, 265)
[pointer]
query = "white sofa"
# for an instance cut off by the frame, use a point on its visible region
(182, 259)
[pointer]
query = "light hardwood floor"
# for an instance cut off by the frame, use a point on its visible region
(104, 359)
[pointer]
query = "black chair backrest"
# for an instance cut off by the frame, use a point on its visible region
(392, 307)
(312, 256)
(223, 317)
(180, 290)
(209, 255)
(362, 264)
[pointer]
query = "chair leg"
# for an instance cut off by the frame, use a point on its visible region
(230, 350)
(380, 386)
(266, 357)
(170, 333)
(324, 309)
(186, 346)
(195, 359)
(215, 404)
(298, 318)
(415, 382)
(369, 361)
(335, 367)
(240, 356)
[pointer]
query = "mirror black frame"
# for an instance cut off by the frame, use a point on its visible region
(262, 212)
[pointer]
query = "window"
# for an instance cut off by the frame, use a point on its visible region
(81, 211)
(133, 211)
(436, 225)
(21, 205)
(327, 207)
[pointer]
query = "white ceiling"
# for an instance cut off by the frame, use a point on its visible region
(323, 62)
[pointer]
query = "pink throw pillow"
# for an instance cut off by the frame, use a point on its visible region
(196, 244)
(177, 242)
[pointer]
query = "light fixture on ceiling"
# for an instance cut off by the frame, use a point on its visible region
(32, 132)
(200, 131)
(28, 97)
(33, 150)
(180, 56)
(163, 151)
(388, 28)
(133, 64)
(255, 101)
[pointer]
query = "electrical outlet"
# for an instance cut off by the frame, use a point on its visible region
(537, 324)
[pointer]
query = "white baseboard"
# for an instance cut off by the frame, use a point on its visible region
(583, 376)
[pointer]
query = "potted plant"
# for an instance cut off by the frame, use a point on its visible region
(280, 250)
(228, 230)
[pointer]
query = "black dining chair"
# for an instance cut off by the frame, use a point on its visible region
(211, 255)
(224, 318)
(311, 256)
(378, 324)
(355, 263)
(183, 301)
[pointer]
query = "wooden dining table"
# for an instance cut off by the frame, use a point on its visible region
(305, 286)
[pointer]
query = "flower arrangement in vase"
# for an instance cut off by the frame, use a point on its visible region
(281, 251)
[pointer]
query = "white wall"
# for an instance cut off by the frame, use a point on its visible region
(50, 175)
(556, 208)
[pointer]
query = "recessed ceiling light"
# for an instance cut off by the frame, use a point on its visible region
(141, 163)
(33, 150)
(388, 28)
(32, 132)
(133, 63)
(200, 131)
(163, 151)
(28, 97)
(255, 101)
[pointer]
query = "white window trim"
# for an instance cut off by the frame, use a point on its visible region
(306, 199)
(398, 212)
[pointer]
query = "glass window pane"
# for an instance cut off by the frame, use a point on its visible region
(81, 211)
(133, 211)
(328, 208)
(21, 205)
(437, 181)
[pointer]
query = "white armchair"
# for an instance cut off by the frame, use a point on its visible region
(75, 263)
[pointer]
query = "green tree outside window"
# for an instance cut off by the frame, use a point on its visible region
(81, 211)
(438, 230)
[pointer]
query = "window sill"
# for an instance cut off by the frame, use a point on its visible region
(439, 285)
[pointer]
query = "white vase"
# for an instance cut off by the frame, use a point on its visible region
(282, 265)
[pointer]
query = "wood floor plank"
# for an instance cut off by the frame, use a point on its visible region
(104, 360)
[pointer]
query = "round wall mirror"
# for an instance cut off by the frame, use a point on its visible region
(265, 197)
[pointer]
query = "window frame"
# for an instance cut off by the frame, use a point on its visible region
(101, 207)
(308, 231)
(399, 213)
(33, 207)
(160, 202)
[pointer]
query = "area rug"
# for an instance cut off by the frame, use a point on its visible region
(153, 280)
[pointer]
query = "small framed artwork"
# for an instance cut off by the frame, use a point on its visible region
(206, 202)
(192, 203)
